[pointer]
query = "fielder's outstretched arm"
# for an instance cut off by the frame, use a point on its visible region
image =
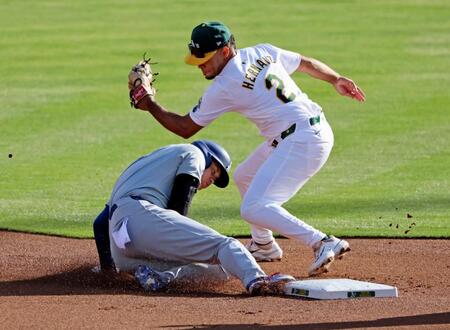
(183, 126)
(319, 70)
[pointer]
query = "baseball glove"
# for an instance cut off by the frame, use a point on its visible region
(140, 81)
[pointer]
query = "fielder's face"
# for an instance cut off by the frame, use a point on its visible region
(209, 175)
(214, 66)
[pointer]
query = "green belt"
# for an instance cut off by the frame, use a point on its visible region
(312, 121)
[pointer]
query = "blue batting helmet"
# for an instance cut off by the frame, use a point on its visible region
(212, 150)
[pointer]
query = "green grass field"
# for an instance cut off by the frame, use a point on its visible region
(66, 121)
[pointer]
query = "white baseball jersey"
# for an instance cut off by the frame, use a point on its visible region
(257, 83)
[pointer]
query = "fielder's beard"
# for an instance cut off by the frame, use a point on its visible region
(211, 76)
(214, 75)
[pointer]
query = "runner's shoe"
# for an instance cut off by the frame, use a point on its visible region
(150, 279)
(269, 285)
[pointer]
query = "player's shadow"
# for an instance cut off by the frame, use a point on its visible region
(398, 321)
(81, 281)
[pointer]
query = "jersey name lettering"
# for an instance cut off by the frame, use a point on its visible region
(254, 69)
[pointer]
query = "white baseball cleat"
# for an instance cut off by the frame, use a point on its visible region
(269, 285)
(326, 252)
(265, 252)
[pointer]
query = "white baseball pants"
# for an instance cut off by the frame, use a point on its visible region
(270, 176)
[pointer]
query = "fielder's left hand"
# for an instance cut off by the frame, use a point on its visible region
(347, 87)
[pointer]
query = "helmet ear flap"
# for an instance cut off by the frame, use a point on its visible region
(208, 161)
(205, 151)
(212, 150)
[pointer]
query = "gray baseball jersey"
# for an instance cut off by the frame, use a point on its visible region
(151, 177)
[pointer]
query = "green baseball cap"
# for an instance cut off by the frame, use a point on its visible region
(206, 39)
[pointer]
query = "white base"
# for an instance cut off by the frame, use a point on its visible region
(338, 289)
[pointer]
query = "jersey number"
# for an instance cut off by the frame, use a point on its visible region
(274, 81)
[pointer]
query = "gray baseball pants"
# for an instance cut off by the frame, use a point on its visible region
(168, 241)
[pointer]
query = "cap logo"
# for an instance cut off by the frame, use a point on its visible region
(193, 44)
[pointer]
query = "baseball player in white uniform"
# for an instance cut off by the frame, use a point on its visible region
(150, 234)
(256, 82)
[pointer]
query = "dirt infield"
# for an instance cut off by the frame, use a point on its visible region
(45, 283)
